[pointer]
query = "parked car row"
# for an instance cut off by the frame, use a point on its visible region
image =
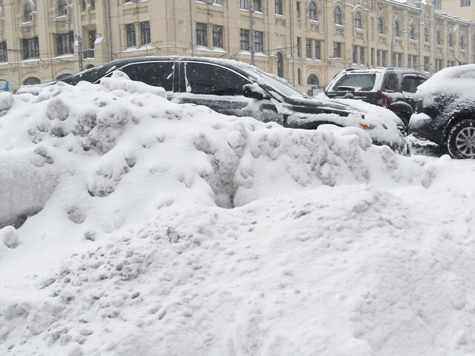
(234, 88)
(440, 109)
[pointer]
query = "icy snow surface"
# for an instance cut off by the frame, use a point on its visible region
(161, 229)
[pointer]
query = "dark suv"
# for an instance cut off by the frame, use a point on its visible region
(445, 112)
(235, 88)
(392, 88)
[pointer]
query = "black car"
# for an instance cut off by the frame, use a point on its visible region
(235, 88)
(445, 111)
(392, 88)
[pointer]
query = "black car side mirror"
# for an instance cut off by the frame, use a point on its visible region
(254, 91)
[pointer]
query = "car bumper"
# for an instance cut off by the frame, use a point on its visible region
(424, 126)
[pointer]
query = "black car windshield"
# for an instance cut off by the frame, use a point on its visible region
(362, 81)
(280, 87)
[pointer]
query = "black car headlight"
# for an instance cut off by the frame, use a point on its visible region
(427, 100)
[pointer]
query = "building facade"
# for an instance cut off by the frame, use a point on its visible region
(306, 42)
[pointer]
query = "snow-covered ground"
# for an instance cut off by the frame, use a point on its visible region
(161, 229)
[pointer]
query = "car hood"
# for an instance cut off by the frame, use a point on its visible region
(381, 124)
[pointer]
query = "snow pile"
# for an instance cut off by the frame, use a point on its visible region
(164, 229)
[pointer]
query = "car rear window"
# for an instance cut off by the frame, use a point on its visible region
(360, 81)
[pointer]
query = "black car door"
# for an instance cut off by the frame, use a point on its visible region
(156, 73)
(221, 89)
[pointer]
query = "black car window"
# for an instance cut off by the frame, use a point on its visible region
(364, 81)
(158, 74)
(410, 83)
(204, 78)
(390, 82)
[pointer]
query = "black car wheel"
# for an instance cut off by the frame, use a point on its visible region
(461, 140)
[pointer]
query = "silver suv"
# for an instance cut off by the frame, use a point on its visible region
(392, 88)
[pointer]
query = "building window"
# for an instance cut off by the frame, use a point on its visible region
(318, 49)
(451, 41)
(437, 4)
(439, 64)
(3, 52)
(64, 43)
(312, 11)
(31, 48)
(437, 36)
(313, 79)
(201, 34)
(396, 60)
(89, 52)
(426, 35)
(27, 13)
(465, 3)
(217, 36)
(426, 64)
(83, 5)
(359, 55)
(308, 48)
(358, 22)
(299, 76)
(243, 4)
(397, 31)
(299, 47)
(279, 9)
(462, 42)
(244, 37)
(31, 81)
(372, 57)
(258, 5)
(297, 4)
(412, 34)
(381, 58)
(337, 50)
(218, 2)
(130, 35)
(258, 41)
(338, 16)
(145, 36)
(62, 8)
(380, 26)
(93, 4)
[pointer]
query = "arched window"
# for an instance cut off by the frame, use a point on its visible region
(437, 37)
(451, 41)
(380, 26)
(338, 16)
(62, 8)
(280, 65)
(412, 34)
(312, 79)
(27, 12)
(426, 35)
(358, 22)
(462, 42)
(31, 81)
(312, 8)
(397, 31)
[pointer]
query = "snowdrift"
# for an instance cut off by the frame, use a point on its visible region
(134, 226)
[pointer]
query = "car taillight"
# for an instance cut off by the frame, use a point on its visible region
(382, 101)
